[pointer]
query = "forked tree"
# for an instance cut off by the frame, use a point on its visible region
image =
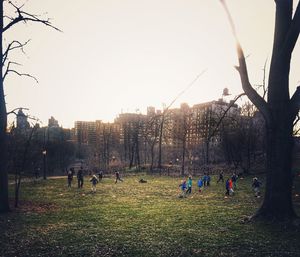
(279, 112)
(7, 22)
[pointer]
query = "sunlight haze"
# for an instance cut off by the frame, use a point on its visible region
(115, 56)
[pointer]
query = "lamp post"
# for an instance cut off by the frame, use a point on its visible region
(44, 163)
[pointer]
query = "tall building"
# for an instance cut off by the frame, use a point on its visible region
(85, 132)
(52, 123)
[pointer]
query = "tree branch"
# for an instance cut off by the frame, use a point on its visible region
(8, 70)
(16, 109)
(295, 103)
(254, 97)
(13, 45)
(224, 115)
(25, 17)
(293, 33)
(265, 90)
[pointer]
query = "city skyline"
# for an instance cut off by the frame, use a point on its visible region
(115, 55)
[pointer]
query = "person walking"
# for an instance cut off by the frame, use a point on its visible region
(80, 177)
(118, 177)
(100, 175)
(200, 184)
(221, 177)
(256, 187)
(94, 182)
(183, 188)
(70, 178)
(234, 179)
(189, 185)
(208, 178)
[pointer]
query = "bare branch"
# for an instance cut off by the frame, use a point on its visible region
(295, 102)
(23, 16)
(293, 33)
(9, 70)
(224, 115)
(184, 90)
(16, 109)
(265, 90)
(12, 46)
(254, 97)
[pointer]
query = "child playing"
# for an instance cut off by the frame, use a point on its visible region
(208, 180)
(100, 174)
(234, 179)
(231, 187)
(189, 185)
(256, 187)
(118, 177)
(200, 184)
(228, 185)
(204, 179)
(94, 181)
(183, 188)
(221, 177)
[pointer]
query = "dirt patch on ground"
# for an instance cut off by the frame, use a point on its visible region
(33, 207)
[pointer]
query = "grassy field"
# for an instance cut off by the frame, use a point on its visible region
(133, 219)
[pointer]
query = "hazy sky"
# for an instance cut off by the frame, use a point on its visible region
(123, 55)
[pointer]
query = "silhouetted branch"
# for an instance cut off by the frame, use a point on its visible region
(224, 115)
(254, 97)
(23, 16)
(265, 90)
(293, 33)
(13, 45)
(295, 103)
(16, 109)
(9, 70)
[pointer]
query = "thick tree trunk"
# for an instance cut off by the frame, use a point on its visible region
(277, 204)
(4, 206)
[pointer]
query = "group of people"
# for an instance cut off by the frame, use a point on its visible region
(185, 185)
(230, 184)
(94, 179)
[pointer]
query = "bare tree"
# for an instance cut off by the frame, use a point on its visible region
(279, 111)
(7, 22)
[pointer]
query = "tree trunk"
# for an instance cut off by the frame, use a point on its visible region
(160, 143)
(183, 157)
(152, 157)
(4, 205)
(277, 204)
(207, 151)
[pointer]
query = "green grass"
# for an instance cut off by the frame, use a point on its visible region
(133, 219)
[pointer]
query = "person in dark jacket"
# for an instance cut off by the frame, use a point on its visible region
(221, 177)
(70, 178)
(80, 177)
(118, 177)
(256, 187)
